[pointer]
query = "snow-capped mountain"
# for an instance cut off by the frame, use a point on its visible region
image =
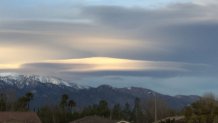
(22, 80)
(48, 90)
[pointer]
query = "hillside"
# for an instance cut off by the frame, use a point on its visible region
(48, 90)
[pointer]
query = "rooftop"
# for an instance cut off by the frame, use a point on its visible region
(19, 117)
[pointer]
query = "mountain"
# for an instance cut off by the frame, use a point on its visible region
(20, 81)
(48, 90)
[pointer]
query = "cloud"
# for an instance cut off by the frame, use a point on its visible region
(161, 34)
(116, 31)
(169, 41)
(104, 66)
(205, 2)
(174, 30)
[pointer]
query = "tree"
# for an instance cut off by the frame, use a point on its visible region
(117, 112)
(103, 109)
(163, 110)
(71, 104)
(3, 102)
(204, 110)
(23, 102)
(29, 97)
(127, 112)
(63, 103)
(137, 112)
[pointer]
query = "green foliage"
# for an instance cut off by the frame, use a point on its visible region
(2, 102)
(127, 112)
(54, 114)
(63, 104)
(65, 111)
(71, 105)
(103, 109)
(117, 112)
(23, 103)
(137, 112)
(203, 111)
(59, 114)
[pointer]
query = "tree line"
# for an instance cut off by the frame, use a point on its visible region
(21, 104)
(205, 110)
(66, 111)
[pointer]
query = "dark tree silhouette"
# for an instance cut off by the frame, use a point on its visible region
(63, 103)
(29, 97)
(71, 104)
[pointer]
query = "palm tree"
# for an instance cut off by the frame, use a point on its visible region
(23, 103)
(63, 102)
(71, 104)
(29, 97)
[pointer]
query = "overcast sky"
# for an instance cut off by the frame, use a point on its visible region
(169, 46)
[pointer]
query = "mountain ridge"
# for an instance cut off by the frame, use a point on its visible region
(47, 90)
(26, 79)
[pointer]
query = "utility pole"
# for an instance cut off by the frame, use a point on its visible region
(155, 105)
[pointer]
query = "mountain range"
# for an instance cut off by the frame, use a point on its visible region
(48, 90)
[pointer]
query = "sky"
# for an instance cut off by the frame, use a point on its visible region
(169, 46)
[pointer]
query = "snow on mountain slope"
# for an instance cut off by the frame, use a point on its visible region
(44, 87)
(21, 80)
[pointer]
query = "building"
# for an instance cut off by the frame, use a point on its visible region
(123, 122)
(19, 117)
(93, 119)
(176, 119)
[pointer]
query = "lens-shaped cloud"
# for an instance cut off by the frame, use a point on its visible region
(105, 66)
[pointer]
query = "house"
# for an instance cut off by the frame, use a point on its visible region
(93, 119)
(176, 119)
(19, 117)
(123, 122)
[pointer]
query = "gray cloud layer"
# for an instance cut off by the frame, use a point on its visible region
(183, 33)
(172, 32)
